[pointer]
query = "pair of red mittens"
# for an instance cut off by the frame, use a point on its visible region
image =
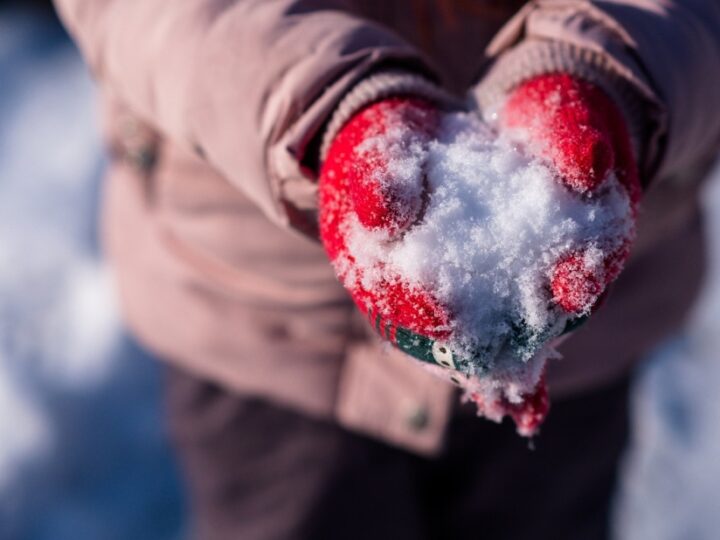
(568, 122)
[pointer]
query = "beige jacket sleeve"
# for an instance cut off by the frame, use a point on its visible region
(247, 84)
(660, 59)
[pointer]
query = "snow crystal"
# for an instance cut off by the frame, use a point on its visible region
(495, 222)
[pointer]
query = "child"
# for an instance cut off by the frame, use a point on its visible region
(291, 419)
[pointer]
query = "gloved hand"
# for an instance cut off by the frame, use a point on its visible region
(577, 127)
(361, 179)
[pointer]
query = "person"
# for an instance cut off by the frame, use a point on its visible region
(291, 418)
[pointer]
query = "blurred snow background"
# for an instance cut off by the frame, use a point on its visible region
(671, 483)
(83, 454)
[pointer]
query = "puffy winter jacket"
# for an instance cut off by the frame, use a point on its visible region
(214, 114)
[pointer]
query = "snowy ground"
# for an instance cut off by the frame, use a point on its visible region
(83, 454)
(82, 449)
(671, 486)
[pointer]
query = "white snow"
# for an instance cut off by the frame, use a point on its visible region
(83, 453)
(26, 431)
(670, 483)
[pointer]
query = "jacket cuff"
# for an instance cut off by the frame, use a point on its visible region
(533, 58)
(382, 85)
(384, 393)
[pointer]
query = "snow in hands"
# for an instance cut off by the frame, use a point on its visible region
(471, 251)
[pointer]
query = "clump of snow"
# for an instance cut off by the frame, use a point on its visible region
(496, 221)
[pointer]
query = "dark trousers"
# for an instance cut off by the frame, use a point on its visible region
(255, 471)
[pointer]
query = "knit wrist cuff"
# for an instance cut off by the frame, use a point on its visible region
(533, 58)
(380, 86)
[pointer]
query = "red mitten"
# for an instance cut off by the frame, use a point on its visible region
(578, 128)
(373, 175)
